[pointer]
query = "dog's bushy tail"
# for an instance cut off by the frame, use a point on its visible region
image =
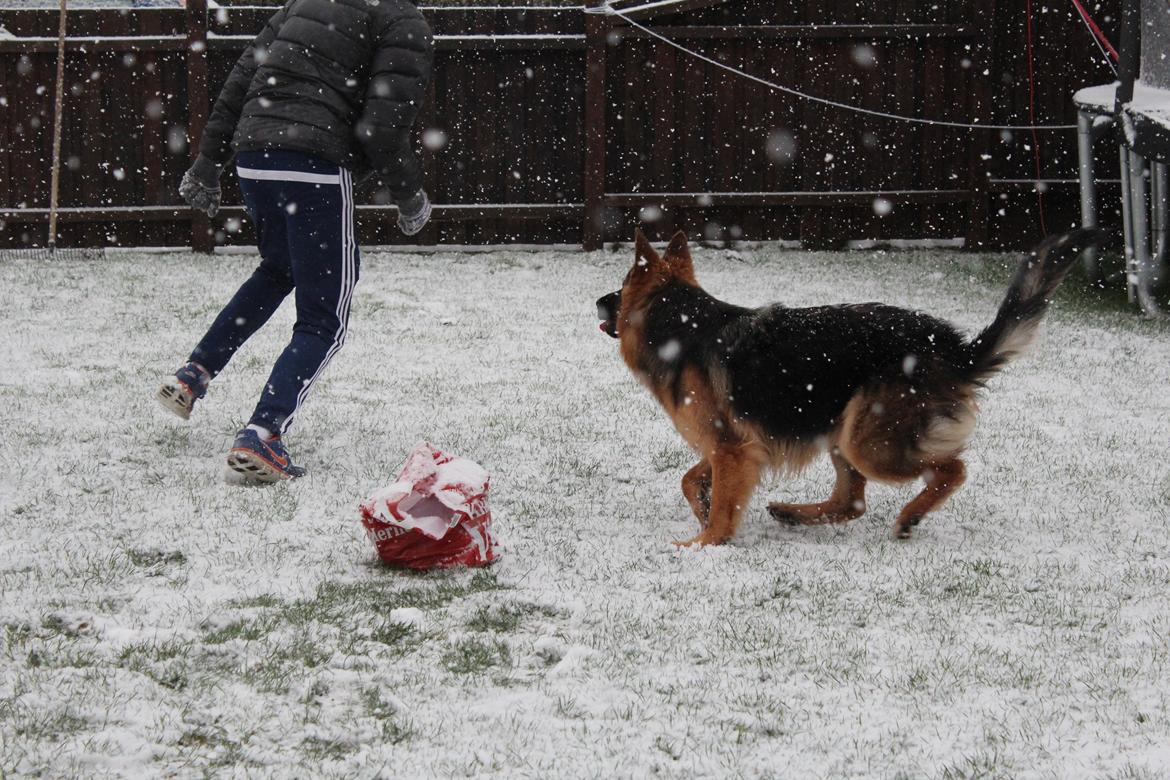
(1018, 320)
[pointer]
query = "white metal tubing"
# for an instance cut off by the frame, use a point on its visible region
(1140, 219)
(1088, 187)
(1127, 209)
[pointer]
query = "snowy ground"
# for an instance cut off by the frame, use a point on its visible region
(157, 621)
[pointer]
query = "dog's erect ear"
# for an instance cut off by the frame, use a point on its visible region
(678, 257)
(644, 254)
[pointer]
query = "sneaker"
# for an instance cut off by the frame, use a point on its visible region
(260, 461)
(179, 393)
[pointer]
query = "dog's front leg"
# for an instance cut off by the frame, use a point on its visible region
(696, 486)
(735, 471)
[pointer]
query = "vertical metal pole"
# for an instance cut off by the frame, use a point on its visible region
(596, 31)
(1127, 207)
(1088, 186)
(59, 102)
(1139, 223)
(1152, 272)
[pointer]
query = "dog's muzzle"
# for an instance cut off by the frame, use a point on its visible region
(608, 307)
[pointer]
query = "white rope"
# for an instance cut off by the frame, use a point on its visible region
(1104, 54)
(607, 10)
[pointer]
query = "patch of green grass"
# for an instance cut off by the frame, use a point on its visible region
(501, 620)
(671, 458)
(262, 601)
(148, 558)
(61, 656)
(285, 662)
(322, 749)
(335, 599)
(394, 728)
(1132, 772)
(398, 636)
(504, 618)
(290, 634)
(473, 655)
(979, 766)
(33, 722)
(156, 660)
(150, 652)
(172, 442)
(1079, 293)
(214, 744)
(245, 629)
(57, 624)
(13, 635)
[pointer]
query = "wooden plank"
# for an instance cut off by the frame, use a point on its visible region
(489, 169)
(663, 124)
(596, 30)
(451, 212)
(198, 107)
(90, 108)
(430, 233)
(806, 198)
(980, 108)
(93, 44)
(771, 32)
(89, 21)
(454, 84)
(471, 42)
(99, 214)
(151, 108)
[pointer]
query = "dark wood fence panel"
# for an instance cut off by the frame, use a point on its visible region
(516, 152)
(690, 126)
(1065, 60)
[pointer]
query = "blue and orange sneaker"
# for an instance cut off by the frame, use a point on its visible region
(179, 393)
(259, 461)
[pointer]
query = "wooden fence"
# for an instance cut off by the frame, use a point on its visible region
(548, 125)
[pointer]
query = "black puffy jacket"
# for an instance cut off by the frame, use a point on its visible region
(338, 79)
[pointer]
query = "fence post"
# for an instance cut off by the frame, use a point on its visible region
(198, 102)
(980, 158)
(596, 31)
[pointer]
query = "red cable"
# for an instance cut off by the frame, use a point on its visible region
(1096, 30)
(1032, 117)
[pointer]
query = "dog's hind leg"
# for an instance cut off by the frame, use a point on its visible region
(735, 471)
(696, 486)
(846, 503)
(942, 480)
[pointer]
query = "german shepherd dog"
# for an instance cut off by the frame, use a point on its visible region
(889, 393)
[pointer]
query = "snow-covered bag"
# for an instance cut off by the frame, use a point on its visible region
(435, 515)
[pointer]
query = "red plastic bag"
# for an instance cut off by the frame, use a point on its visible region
(435, 516)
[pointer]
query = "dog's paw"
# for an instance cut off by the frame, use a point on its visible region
(905, 526)
(702, 540)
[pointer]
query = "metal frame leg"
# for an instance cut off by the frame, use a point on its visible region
(1127, 218)
(1088, 188)
(1152, 266)
(1142, 273)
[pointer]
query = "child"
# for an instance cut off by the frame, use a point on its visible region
(329, 89)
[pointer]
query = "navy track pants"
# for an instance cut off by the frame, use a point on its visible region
(302, 207)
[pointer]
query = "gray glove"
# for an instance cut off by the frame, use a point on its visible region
(200, 186)
(413, 214)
